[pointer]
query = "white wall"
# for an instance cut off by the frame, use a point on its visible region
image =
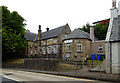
(116, 58)
(119, 8)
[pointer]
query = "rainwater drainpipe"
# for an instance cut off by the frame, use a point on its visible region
(110, 57)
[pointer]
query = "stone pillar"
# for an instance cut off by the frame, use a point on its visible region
(92, 33)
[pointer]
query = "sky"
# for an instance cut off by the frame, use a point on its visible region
(55, 13)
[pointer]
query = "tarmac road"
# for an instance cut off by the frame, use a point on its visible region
(32, 77)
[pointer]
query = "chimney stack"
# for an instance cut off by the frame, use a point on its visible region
(92, 33)
(39, 33)
(113, 3)
(114, 10)
(47, 29)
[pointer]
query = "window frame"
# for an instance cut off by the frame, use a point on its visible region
(44, 50)
(68, 45)
(49, 49)
(100, 46)
(80, 49)
(55, 49)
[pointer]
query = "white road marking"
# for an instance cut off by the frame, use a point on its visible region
(11, 78)
(54, 76)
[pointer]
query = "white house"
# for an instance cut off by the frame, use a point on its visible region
(112, 44)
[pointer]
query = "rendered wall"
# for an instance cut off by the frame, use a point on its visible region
(116, 58)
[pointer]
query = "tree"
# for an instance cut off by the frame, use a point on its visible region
(100, 30)
(86, 28)
(13, 40)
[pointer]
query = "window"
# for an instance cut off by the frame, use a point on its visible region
(36, 51)
(31, 52)
(68, 47)
(79, 47)
(55, 40)
(44, 42)
(49, 50)
(100, 48)
(55, 49)
(44, 50)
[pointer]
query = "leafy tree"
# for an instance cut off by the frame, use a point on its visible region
(13, 40)
(100, 30)
(86, 28)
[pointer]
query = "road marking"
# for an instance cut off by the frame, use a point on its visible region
(11, 78)
(55, 76)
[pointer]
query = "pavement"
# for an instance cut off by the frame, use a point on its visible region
(33, 77)
(83, 73)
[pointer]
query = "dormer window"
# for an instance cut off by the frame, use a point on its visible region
(100, 48)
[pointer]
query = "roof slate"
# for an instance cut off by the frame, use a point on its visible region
(45, 35)
(115, 33)
(30, 36)
(77, 33)
(52, 33)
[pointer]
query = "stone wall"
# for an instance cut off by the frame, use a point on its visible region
(36, 64)
(73, 49)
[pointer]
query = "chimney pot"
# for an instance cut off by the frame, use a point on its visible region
(113, 3)
(47, 29)
(39, 27)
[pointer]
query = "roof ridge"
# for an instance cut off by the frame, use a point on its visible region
(54, 28)
(30, 32)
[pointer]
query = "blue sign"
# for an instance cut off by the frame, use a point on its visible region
(68, 55)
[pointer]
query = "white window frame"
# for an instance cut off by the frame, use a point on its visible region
(44, 50)
(49, 50)
(36, 51)
(55, 40)
(100, 47)
(55, 49)
(79, 48)
(68, 47)
(31, 52)
(44, 42)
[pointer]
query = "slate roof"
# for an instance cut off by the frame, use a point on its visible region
(115, 33)
(52, 33)
(45, 35)
(30, 36)
(77, 34)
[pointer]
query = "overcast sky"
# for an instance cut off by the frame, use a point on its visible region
(54, 13)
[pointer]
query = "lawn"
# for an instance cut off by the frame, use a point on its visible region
(95, 62)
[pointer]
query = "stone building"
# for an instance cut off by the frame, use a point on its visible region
(81, 45)
(62, 43)
(46, 44)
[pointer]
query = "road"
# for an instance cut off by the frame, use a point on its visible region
(24, 76)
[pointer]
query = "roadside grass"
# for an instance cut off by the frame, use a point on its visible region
(95, 62)
(67, 67)
(14, 61)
